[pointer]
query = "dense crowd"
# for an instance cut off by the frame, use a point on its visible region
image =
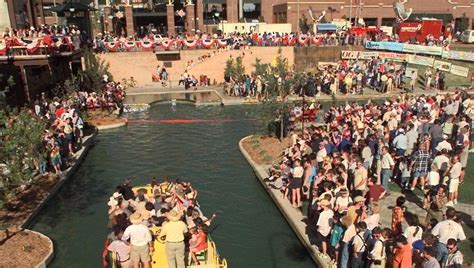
(345, 167)
(236, 40)
(343, 77)
(64, 131)
(169, 210)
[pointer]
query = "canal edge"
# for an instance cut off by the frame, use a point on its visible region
(50, 255)
(88, 141)
(295, 223)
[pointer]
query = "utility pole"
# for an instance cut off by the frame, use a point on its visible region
(350, 14)
(298, 22)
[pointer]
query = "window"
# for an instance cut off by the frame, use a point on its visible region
(388, 21)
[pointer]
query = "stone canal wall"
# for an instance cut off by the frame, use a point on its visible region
(293, 217)
(307, 58)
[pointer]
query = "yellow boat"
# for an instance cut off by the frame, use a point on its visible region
(208, 258)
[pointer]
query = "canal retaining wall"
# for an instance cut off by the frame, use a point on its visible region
(307, 58)
(292, 215)
(87, 143)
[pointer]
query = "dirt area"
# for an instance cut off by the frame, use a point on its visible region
(99, 118)
(17, 208)
(22, 249)
(265, 150)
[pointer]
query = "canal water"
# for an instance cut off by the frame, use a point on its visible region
(249, 230)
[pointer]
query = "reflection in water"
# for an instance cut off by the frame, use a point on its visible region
(249, 230)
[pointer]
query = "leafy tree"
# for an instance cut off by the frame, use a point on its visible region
(239, 69)
(92, 76)
(260, 68)
(229, 70)
(5, 85)
(20, 149)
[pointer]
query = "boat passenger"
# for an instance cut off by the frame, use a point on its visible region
(122, 248)
(174, 231)
(140, 240)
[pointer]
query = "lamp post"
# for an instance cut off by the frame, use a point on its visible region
(298, 11)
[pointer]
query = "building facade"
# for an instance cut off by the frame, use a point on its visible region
(174, 16)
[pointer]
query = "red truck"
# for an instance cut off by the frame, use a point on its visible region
(419, 29)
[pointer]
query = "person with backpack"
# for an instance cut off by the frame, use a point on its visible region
(359, 246)
(377, 255)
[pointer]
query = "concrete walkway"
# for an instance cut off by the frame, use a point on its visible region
(293, 216)
(414, 209)
(232, 100)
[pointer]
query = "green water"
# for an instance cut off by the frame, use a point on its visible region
(249, 230)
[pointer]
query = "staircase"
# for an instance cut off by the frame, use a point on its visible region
(141, 65)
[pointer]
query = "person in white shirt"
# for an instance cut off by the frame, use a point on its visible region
(378, 255)
(387, 165)
(454, 174)
(433, 176)
(444, 144)
(449, 228)
(412, 139)
(373, 220)
(324, 225)
(140, 240)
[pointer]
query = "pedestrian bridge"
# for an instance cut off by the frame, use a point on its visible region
(199, 97)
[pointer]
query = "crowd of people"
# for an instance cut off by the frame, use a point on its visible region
(345, 167)
(64, 132)
(167, 212)
(343, 77)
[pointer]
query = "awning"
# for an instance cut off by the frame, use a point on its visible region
(446, 17)
(67, 7)
(327, 27)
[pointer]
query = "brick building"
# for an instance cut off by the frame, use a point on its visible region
(204, 14)
(171, 16)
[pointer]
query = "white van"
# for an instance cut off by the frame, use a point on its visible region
(467, 36)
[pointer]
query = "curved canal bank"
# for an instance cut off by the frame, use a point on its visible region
(249, 230)
(292, 216)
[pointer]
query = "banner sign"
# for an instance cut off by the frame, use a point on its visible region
(420, 60)
(458, 55)
(393, 56)
(430, 50)
(442, 65)
(392, 46)
(459, 70)
(347, 54)
(367, 55)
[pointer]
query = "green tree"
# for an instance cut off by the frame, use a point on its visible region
(239, 69)
(20, 149)
(95, 69)
(229, 70)
(260, 68)
(6, 83)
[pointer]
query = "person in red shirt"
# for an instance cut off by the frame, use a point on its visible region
(402, 253)
(59, 111)
(376, 191)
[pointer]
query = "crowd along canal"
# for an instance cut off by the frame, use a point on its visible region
(249, 230)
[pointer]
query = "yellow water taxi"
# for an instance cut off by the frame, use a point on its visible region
(208, 258)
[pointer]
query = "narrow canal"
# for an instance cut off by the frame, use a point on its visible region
(249, 230)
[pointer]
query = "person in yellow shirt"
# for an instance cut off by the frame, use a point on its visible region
(174, 231)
